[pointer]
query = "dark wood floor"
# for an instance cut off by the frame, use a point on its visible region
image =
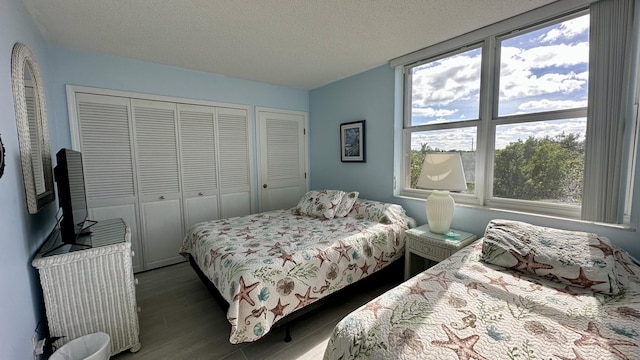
(181, 320)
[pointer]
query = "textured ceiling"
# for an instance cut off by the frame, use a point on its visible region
(302, 44)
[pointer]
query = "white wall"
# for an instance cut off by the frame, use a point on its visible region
(21, 234)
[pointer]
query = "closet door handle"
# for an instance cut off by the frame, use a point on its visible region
(200, 194)
(264, 186)
(162, 197)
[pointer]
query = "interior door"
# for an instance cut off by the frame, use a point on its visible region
(283, 158)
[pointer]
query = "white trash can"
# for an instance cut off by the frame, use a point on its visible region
(96, 346)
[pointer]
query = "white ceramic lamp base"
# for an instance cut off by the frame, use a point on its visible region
(440, 207)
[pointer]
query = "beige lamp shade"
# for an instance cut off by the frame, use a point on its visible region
(441, 172)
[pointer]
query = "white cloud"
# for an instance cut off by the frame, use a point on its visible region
(549, 105)
(445, 81)
(454, 139)
(567, 29)
(506, 134)
(432, 112)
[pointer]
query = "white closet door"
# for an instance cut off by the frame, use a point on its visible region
(199, 170)
(159, 181)
(106, 144)
(234, 162)
(105, 140)
(282, 165)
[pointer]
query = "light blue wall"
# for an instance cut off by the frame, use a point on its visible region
(366, 96)
(74, 67)
(21, 234)
(21, 306)
(370, 96)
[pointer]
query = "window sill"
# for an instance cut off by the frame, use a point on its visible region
(518, 213)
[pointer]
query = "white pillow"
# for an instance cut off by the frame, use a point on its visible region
(346, 204)
(320, 203)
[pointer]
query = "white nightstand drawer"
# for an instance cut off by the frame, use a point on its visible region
(428, 251)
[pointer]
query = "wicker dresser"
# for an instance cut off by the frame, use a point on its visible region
(87, 290)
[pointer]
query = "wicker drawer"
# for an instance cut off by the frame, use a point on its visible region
(428, 251)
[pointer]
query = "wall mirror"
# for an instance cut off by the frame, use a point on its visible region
(33, 129)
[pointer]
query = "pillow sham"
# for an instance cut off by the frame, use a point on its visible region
(571, 257)
(346, 204)
(319, 203)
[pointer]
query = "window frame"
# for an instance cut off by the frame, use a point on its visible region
(489, 39)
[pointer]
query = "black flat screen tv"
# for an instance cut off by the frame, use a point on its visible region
(72, 197)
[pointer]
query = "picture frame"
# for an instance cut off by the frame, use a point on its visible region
(352, 141)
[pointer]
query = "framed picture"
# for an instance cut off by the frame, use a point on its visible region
(352, 142)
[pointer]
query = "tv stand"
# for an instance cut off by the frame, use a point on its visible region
(87, 290)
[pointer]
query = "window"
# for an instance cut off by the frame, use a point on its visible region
(513, 102)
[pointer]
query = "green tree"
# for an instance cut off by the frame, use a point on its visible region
(540, 169)
(417, 158)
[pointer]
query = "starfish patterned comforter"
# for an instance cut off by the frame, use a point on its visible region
(271, 264)
(464, 308)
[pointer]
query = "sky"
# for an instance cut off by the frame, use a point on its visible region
(541, 70)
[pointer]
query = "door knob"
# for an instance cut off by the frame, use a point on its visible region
(264, 186)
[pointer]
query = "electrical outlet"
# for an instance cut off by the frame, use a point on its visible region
(39, 350)
(38, 344)
(34, 340)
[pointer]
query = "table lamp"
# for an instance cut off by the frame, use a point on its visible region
(441, 172)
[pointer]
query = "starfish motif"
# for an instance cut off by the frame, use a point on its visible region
(304, 299)
(223, 233)
(527, 262)
(499, 281)
(343, 250)
(415, 289)
(276, 247)
(249, 237)
(592, 336)
(355, 207)
(575, 352)
(606, 249)
(365, 269)
(249, 252)
(374, 306)
(380, 262)
(462, 347)
(321, 255)
(622, 261)
(439, 278)
(583, 281)
(287, 257)
(214, 255)
(278, 310)
(243, 231)
(282, 233)
(243, 294)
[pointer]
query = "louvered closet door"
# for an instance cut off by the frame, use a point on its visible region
(282, 159)
(234, 162)
(199, 170)
(106, 144)
(158, 180)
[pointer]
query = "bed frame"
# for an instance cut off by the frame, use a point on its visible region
(392, 273)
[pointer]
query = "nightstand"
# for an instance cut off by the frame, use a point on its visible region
(424, 246)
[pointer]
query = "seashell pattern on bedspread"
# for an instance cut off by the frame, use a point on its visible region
(271, 264)
(464, 308)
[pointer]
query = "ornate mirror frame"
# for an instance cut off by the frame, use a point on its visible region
(22, 57)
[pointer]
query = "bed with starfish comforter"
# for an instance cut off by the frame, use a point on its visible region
(557, 295)
(271, 264)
